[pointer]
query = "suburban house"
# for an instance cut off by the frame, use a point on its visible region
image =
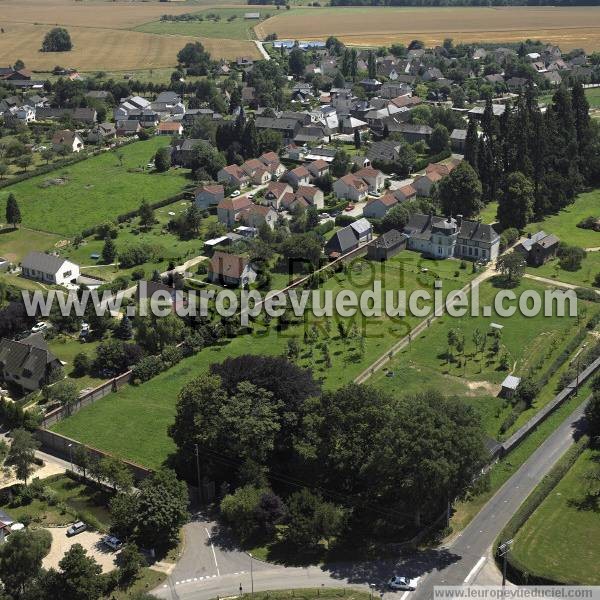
(230, 269)
(318, 168)
(423, 184)
(298, 176)
(257, 171)
(233, 175)
(341, 242)
(373, 178)
(102, 132)
(49, 268)
(387, 245)
(229, 209)
(128, 127)
(363, 230)
(440, 237)
(312, 195)
(27, 363)
(415, 133)
(169, 103)
(169, 128)
(275, 193)
(539, 247)
(350, 187)
(404, 193)
(66, 138)
(376, 208)
(273, 164)
(182, 151)
(209, 195)
(257, 215)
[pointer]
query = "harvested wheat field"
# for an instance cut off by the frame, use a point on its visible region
(573, 27)
(111, 15)
(97, 49)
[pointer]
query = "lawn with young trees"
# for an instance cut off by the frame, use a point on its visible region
(87, 193)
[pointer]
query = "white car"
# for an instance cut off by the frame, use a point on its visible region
(112, 542)
(41, 326)
(235, 193)
(398, 582)
(251, 196)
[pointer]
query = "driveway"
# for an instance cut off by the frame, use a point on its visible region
(90, 540)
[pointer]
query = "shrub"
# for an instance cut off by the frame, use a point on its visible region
(147, 368)
(343, 220)
(570, 257)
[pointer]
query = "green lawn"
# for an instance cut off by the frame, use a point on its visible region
(526, 340)
(114, 422)
(94, 190)
(560, 539)
(564, 224)
(66, 348)
(75, 501)
(236, 29)
(488, 214)
(590, 267)
(466, 509)
(15, 244)
(130, 234)
(592, 95)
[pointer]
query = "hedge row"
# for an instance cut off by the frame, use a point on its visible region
(422, 164)
(516, 571)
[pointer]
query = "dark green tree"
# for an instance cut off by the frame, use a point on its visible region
(515, 205)
(162, 160)
(440, 139)
(57, 40)
(13, 212)
(460, 191)
(472, 145)
(109, 251)
(80, 576)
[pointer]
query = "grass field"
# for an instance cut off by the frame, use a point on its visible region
(466, 509)
(16, 243)
(526, 340)
(559, 541)
(592, 95)
(112, 423)
(590, 267)
(235, 29)
(488, 214)
(564, 224)
(567, 27)
(96, 190)
(99, 49)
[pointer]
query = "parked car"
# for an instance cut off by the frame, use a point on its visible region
(41, 326)
(112, 542)
(398, 582)
(76, 528)
(349, 207)
(235, 193)
(251, 196)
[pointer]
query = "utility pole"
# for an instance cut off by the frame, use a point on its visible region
(71, 456)
(503, 550)
(251, 573)
(578, 368)
(198, 473)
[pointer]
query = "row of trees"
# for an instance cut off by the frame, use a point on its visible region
(347, 448)
(535, 163)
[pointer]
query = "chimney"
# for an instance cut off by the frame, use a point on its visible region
(459, 219)
(529, 236)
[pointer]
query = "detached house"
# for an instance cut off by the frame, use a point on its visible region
(169, 128)
(312, 195)
(372, 177)
(256, 215)
(298, 176)
(273, 164)
(209, 195)
(229, 209)
(49, 268)
(378, 207)
(538, 248)
(257, 171)
(233, 175)
(350, 187)
(230, 269)
(275, 193)
(27, 363)
(318, 168)
(67, 139)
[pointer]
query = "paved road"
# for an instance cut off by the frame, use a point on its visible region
(466, 558)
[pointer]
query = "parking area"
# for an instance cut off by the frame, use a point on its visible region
(90, 540)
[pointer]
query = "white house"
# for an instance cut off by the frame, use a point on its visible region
(350, 187)
(49, 268)
(67, 139)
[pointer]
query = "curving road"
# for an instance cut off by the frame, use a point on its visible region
(213, 567)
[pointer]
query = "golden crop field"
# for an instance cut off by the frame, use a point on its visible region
(100, 34)
(573, 27)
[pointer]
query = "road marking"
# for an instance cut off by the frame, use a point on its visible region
(213, 550)
(474, 570)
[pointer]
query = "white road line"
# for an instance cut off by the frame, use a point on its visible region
(475, 570)
(213, 550)
(404, 596)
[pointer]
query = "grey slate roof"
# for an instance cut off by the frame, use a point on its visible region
(361, 227)
(47, 263)
(28, 357)
(390, 239)
(477, 232)
(346, 240)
